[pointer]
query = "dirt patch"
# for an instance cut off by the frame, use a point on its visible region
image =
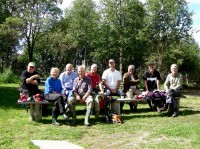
(116, 140)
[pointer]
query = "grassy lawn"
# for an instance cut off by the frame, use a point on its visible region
(142, 129)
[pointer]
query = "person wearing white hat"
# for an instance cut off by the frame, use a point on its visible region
(30, 79)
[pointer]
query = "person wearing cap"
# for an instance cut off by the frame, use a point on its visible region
(53, 93)
(151, 81)
(131, 81)
(30, 80)
(95, 78)
(111, 79)
(172, 86)
(67, 80)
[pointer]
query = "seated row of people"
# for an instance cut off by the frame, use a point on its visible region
(74, 88)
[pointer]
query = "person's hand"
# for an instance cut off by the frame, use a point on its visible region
(138, 80)
(82, 100)
(64, 98)
(36, 76)
(78, 97)
(66, 92)
(113, 91)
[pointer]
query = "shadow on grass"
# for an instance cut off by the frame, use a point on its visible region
(9, 97)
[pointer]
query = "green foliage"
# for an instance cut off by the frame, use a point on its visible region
(8, 76)
(168, 23)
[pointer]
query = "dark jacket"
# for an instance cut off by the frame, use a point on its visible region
(128, 82)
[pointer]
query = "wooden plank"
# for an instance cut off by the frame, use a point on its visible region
(33, 102)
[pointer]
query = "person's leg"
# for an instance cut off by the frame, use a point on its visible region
(96, 105)
(89, 104)
(55, 110)
(72, 103)
(135, 103)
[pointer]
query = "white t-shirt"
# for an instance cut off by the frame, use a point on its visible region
(111, 77)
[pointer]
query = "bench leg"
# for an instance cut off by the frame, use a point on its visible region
(35, 112)
(171, 110)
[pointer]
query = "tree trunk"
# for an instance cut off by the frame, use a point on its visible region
(120, 61)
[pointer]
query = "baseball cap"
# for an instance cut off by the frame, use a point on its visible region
(31, 64)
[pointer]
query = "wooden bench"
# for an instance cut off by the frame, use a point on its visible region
(170, 109)
(35, 111)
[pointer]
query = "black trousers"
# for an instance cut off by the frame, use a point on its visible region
(59, 105)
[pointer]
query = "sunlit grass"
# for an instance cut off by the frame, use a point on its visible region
(142, 129)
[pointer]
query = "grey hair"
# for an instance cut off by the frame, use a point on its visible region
(174, 66)
(54, 69)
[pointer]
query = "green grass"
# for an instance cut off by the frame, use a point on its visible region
(143, 129)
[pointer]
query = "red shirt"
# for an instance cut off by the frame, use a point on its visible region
(95, 78)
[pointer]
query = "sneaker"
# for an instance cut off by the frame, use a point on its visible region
(54, 122)
(64, 116)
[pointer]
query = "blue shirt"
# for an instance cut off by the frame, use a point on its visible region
(67, 80)
(51, 85)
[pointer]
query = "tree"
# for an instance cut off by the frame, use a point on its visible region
(121, 22)
(9, 39)
(34, 15)
(83, 23)
(167, 23)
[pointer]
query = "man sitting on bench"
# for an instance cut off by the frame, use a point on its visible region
(173, 85)
(111, 80)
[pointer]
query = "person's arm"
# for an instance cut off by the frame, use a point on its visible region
(178, 84)
(89, 86)
(118, 84)
(145, 85)
(106, 85)
(166, 84)
(33, 79)
(145, 81)
(158, 84)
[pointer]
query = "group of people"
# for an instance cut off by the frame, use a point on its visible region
(70, 88)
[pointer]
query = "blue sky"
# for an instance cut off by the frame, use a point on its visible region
(193, 5)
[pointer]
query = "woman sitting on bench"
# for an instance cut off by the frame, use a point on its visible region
(53, 93)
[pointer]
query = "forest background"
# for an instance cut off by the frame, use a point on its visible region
(130, 31)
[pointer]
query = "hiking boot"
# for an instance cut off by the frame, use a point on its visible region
(73, 118)
(54, 122)
(87, 117)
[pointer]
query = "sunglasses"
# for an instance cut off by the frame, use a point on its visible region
(111, 62)
(32, 67)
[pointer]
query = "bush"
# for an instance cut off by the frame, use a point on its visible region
(8, 76)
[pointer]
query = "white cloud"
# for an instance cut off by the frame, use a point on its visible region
(193, 1)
